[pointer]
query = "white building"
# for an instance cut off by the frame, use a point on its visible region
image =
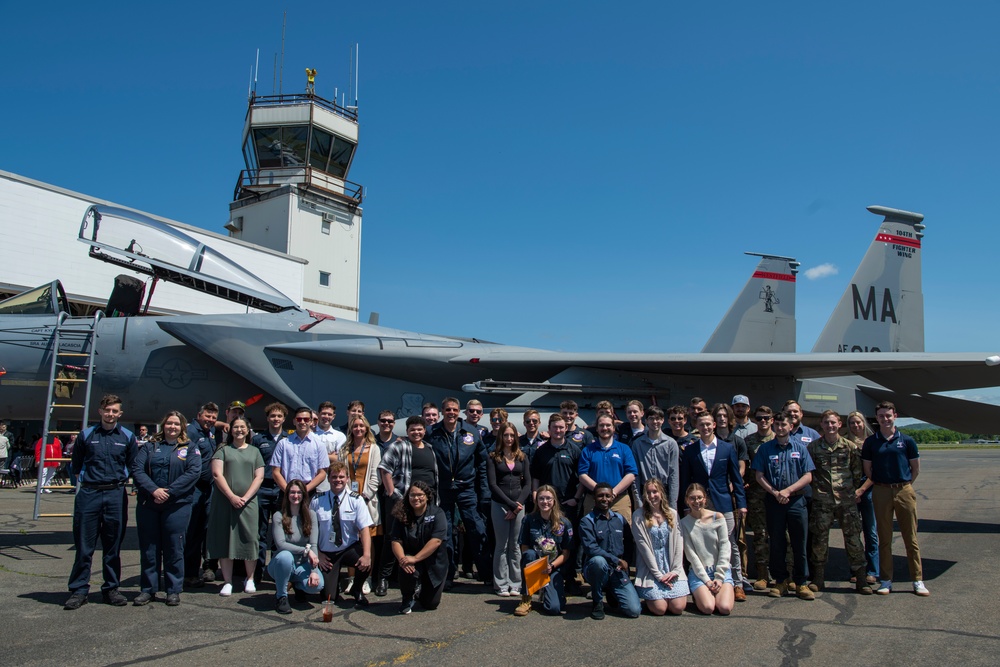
(295, 219)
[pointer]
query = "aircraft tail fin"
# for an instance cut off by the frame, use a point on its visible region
(882, 309)
(762, 319)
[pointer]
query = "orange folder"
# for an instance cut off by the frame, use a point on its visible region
(535, 576)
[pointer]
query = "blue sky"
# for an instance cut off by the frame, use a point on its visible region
(577, 176)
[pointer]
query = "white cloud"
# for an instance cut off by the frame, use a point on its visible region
(821, 271)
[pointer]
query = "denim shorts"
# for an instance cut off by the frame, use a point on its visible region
(695, 583)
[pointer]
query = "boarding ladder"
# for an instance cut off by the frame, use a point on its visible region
(74, 343)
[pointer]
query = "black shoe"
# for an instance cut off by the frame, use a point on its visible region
(208, 575)
(300, 596)
(382, 588)
(282, 606)
(142, 599)
(173, 599)
(194, 582)
(597, 613)
(467, 574)
(114, 598)
(75, 601)
(361, 601)
(406, 607)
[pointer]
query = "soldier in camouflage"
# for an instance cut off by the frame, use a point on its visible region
(756, 517)
(837, 476)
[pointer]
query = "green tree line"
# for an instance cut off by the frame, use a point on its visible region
(931, 435)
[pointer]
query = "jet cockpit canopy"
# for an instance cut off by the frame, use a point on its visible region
(139, 243)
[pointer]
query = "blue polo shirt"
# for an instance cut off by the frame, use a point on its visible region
(782, 465)
(890, 458)
(607, 465)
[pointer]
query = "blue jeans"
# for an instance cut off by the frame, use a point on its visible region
(284, 569)
(553, 596)
(605, 578)
(867, 510)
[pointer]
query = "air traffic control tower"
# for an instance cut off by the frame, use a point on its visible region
(294, 196)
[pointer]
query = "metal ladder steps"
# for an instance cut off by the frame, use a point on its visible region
(52, 515)
(72, 354)
(71, 379)
(67, 405)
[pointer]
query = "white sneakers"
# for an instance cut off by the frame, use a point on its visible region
(920, 589)
(250, 588)
(226, 591)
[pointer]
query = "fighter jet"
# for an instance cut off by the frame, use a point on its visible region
(301, 357)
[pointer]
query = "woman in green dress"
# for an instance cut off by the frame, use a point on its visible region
(238, 470)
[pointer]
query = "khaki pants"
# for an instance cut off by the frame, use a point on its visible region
(623, 506)
(903, 502)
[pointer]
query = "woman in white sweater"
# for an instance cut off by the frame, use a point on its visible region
(706, 545)
(659, 548)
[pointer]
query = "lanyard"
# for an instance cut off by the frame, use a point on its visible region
(356, 460)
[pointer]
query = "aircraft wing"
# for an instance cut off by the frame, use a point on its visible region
(954, 413)
(901, 372)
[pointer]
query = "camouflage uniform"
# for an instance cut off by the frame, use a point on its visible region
(837, 476)
(756, 518)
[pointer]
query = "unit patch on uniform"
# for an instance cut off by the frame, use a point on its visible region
(182, 453)
(467, 439)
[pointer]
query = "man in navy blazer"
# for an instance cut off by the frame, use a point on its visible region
(713, 464)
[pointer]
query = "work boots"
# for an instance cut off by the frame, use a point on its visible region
(524, 608)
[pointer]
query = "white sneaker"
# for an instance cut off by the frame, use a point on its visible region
(249, 587)
(226, 591)
(367, 588)
(920, 589)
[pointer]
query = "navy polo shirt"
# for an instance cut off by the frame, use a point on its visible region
(890, 458)
(782, 465)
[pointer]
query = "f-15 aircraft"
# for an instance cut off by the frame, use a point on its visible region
(301, 357)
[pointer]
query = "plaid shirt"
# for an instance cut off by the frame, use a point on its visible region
(397, 460)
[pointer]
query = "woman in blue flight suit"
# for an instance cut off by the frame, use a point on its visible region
(165, 474)
(546, 532)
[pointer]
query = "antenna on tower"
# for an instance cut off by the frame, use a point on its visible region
(357, 79)
(350, 74)
(256, 71)
(281, 72)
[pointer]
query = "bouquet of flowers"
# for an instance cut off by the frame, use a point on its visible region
(547, 546)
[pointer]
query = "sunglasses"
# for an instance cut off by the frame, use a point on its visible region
(386, 421)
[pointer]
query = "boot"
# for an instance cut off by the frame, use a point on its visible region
(524, 608)
(861, 584)
(817, 584)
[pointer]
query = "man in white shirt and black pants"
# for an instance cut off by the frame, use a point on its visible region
(344, 535)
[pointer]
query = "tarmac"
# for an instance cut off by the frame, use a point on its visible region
(959, 623)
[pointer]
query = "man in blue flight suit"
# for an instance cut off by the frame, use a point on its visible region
(461, 460)
(201, 433)
(267, 496)
(102, 457)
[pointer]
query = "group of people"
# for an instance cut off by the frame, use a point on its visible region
(586, 505)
